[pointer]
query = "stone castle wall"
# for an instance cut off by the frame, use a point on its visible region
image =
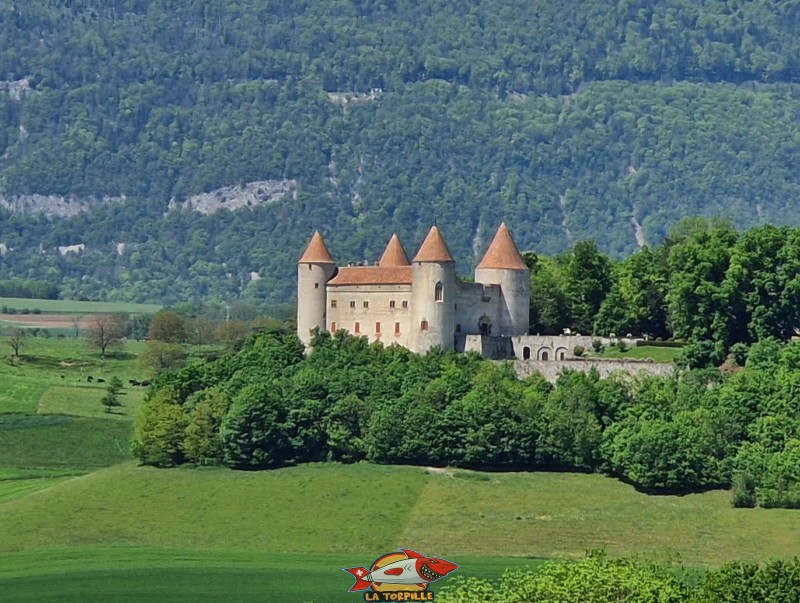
(552, 369)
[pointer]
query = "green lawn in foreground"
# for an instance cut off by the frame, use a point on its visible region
(139, 574)
(363, 509)
(63, 306)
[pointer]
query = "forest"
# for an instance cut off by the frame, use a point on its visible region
(570, 121)
(269, 405)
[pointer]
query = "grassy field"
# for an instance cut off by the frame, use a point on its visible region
(363, 509)
(101, 574)
(63, 306)
(80, 521)
(655, 353)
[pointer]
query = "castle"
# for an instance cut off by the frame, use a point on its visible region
(417, 304)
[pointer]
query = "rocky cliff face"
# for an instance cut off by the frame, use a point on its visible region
(53, 206)
(251, 194)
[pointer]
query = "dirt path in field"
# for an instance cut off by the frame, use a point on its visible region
(48, 321)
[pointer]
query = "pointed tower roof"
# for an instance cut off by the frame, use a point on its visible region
(317, 251)
(433, 248)
(503, 253)
(394, 255)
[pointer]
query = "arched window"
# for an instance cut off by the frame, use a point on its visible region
(545, 356)
(438, 292)
(526, 353)
(562, 355)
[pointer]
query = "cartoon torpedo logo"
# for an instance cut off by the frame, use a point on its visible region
(404, 571)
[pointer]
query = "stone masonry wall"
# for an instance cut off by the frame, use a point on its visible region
(552, 369)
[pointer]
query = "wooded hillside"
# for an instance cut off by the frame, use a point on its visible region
(568, 120)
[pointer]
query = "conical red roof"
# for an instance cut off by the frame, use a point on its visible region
(433, 248)
(503, 253)
(317, 252)
(394, 254)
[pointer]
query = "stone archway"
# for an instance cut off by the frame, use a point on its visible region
(561, 353)
(526, 353)
(544, 354)
(485, 325)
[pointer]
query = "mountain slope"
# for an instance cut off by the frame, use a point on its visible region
(566, 121)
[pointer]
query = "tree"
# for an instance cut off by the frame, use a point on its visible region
(588, 278)
(159, 430)
(16, 339)
(231, 331)
(105, 331)
(167, 327)
(202, 441)
(158, 356)
(111, 398)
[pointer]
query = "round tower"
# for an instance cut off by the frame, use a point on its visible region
(314, 270)
(503, 265)
(434, 295)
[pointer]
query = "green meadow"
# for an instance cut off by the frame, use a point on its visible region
(81, 521)
(63, 306)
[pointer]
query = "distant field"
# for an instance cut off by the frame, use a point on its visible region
(655, 353)
(59, 306)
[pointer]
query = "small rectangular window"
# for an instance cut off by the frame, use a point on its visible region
(333, 327)
(333, 303)
(353, 304)
(397, 328)
(405, 303)
(423, 325)
(316, 285)
(357, 328)
(377, 328)
(391, 304)
(366, 304)
(458, 328)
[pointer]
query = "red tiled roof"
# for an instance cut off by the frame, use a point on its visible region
(316, 252)
(503, 253)
(433, 248)
(372, 275)
(394, 255)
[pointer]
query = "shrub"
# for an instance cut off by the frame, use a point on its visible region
(744, 491)
(25, 311)
(597, 345)
(578, 350)
(622, 346)
(36, 311)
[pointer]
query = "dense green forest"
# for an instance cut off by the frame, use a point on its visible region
(269, 405)
(567, 120)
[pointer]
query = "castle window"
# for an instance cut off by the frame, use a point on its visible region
(357, 328)
(377, 328)
(316, 285)
(333, 303)
(397, 328)
(391, 304)
(366, 304)
(423, 325)
(405, 303)
(526, 353)
(333, 327)
(438, 293)
(353, 304)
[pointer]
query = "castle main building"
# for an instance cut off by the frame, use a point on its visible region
(417, 304)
